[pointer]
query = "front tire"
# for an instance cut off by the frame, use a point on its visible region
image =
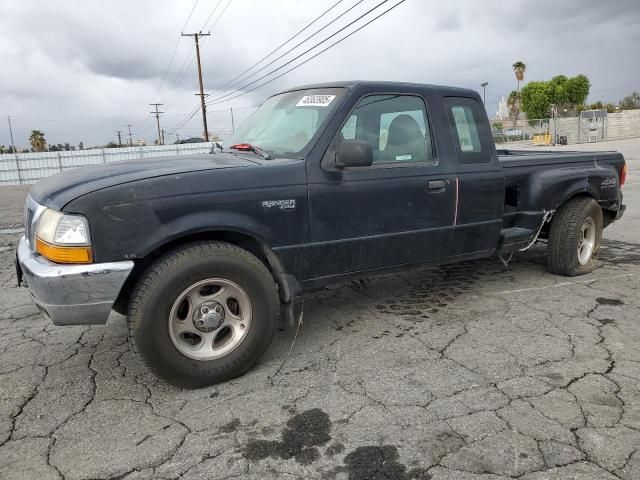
(203, 313)
(575, 237)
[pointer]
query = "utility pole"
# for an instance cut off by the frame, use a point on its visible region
(130, 136)
(163, 136)
(196, 36)
(484, 92)
(119, 139)
(177, 137)
(233, 124)
(13, 145)
(157, 114)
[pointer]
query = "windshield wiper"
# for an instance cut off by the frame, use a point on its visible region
(247, 147)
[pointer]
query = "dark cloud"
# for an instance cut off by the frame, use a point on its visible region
(81, 70)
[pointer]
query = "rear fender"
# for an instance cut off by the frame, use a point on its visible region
(549, 189)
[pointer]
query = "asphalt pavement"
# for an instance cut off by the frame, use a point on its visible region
(466, 372)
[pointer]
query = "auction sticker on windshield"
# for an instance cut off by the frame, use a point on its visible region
(315, 100)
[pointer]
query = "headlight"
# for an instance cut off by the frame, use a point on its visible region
(63, 238)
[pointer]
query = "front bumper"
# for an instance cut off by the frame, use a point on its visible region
(72, 294)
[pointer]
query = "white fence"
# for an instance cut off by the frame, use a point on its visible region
(27, 168)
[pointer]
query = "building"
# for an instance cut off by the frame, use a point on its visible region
(503, 110)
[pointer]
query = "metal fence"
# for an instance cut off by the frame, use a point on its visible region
(568, 130)
(27, 168)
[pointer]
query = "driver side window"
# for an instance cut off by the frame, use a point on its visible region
(395, 126)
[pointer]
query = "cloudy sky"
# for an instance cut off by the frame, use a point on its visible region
(81, 69)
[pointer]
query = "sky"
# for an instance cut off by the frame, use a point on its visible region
(79, 70)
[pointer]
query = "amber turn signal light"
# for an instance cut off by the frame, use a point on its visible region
(59, 254)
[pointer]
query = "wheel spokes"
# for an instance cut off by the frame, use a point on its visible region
(199, 308)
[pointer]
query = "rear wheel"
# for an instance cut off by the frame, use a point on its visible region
(574, 237)
(203, 314)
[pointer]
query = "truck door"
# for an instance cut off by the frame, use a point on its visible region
(480, 180)
(396, 211)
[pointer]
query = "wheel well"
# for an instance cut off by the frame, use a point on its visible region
(262, 251)
(544, 233)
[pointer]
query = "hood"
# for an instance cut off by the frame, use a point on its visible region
(58, 190)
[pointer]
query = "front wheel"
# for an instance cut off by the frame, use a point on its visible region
(574, 237)
(203, 314)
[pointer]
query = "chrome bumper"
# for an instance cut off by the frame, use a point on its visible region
(72, 294)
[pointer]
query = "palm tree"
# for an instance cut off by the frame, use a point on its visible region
(37, 140)
(519, 68)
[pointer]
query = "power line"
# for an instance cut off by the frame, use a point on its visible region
(219, 99)
(219, 16)
(278, 47)
(190, 13)
(243, 87)
(222, 99)
(188, 62)
(211, 14)
(175, 49)
(182, 123)
(185, 121)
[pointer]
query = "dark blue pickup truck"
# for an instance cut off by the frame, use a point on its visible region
(205, 253)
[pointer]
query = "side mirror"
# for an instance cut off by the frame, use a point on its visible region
(354, 153)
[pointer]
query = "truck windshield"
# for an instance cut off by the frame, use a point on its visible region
(285, 124)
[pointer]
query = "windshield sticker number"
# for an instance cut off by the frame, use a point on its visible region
(315, 101)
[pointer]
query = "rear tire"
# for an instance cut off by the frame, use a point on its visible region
(574, 237)
(183, 303)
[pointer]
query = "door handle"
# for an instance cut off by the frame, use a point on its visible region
(436, 185)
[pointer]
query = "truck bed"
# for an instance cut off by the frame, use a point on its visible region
(537, 182)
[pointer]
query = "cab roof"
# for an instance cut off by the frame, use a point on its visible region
(372, 85)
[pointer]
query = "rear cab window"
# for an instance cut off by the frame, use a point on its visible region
(469, 130)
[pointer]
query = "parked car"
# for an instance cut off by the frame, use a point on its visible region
(322, 183)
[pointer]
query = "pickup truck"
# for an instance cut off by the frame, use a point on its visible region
(208, 254)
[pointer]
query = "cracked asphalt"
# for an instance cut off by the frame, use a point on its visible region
(465, 372)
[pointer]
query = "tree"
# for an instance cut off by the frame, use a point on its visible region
(609, 107)
(81, 146)
(37, 141)
(630, 101)
(578, 89)
(535, 99)
(513, 102)
(566, 93)
(519, 68)
(558, 90)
